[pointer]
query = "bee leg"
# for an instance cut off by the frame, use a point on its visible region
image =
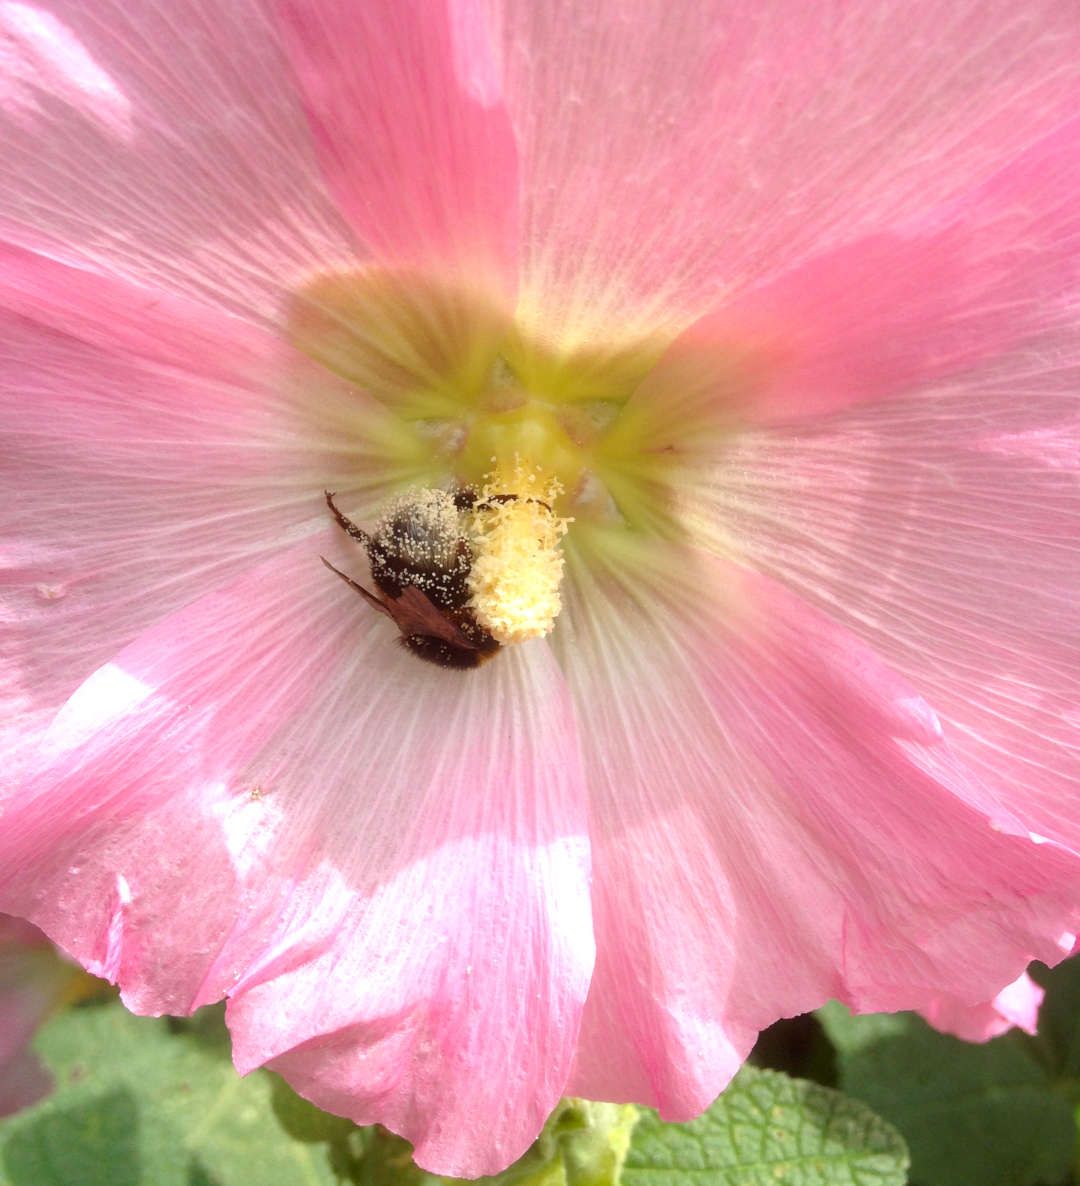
(368, 597)
(345, 524)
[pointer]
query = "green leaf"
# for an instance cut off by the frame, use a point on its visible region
(152, 1102)
(769, 1129)
(1058, 1039)
(973, 1115)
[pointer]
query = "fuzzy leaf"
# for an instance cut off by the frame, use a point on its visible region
(767, 1128)
(147, 1100)
(973, 1115)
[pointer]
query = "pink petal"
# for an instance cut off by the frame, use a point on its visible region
(942, 530)
(165, 143)
(776, 821)
(885, 314)
(23, 1081)
(152, 449)
(405, 104)
(124, 318)
(384, 864)
(33, 980)
(1016, 1005)
(674, 153)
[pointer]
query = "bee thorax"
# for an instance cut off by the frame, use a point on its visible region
(418, 542)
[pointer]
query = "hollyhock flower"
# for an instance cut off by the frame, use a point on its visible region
(782, 296)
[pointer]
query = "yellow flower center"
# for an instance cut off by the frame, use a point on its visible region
(453, 383)
(446, 392)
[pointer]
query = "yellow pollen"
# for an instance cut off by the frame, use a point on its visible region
(517, 562)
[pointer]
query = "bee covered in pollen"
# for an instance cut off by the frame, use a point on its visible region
(462, 574)
(420, 565)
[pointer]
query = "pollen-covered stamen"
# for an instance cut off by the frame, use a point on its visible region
(517, 563)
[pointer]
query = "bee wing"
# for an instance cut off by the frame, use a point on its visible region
(415, 614)
(370, 598)
(412, 612)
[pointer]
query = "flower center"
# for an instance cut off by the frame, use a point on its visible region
(453, 394)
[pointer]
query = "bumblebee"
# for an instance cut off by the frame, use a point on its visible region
(420, 565)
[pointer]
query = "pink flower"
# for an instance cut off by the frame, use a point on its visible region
(783, 294)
